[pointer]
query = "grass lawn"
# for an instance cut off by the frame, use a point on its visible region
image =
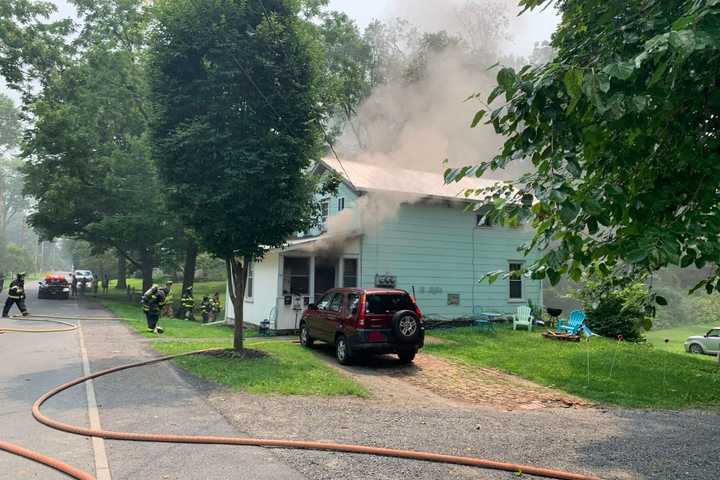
(677, 337)
(642, 375)
(288, 369)
(175, 328)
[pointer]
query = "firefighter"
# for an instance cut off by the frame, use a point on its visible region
(16, 296)
(215, 306)
(205, 309)
(151, 302)
(188, 304)
(167, 306)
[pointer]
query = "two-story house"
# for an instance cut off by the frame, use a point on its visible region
(397, 228)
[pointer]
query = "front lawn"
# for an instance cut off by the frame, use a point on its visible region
(174, 328)
(642, 375)
(288, 369)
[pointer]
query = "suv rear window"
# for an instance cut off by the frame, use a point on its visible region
(388, 303)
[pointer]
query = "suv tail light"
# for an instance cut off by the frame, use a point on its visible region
(362, 311)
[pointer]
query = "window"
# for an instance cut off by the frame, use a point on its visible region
(516, 281)
(336, 303)
(341, 204)
(324, 303)
(250, 281)
(714, 333)
(379, 304)
(350, 273)
(296, 276)
(353, 302)
(324, 213)
(482, 221)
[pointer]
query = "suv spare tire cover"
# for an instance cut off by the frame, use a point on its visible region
(406, 326)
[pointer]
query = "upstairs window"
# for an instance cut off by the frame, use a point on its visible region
(324, 213)
(341, 204)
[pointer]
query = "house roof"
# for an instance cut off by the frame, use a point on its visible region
(368, 177)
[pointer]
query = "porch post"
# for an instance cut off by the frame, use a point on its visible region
(312, 279)
(341, 272)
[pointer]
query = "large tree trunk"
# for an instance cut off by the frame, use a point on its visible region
(146, 264)
(237, 279)
(122, 273)
(191, 253)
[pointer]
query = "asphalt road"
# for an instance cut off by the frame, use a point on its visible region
(157, 399)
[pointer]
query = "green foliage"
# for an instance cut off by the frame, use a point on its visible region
(235, 87)
(622, 129)
(18, 259)
(617, 310)
(89, 166)
(642, 376)
(287, 369)
(31, 45)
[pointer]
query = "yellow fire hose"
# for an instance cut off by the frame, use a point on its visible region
(241, 441)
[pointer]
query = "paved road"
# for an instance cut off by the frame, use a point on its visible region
(157, 399)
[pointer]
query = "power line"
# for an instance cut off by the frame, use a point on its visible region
(267, 102)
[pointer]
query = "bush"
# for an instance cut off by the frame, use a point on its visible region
(617, 310)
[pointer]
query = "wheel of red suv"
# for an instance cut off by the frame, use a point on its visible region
(406, 326)
(342, 350)
(406, 357)
(305, 339)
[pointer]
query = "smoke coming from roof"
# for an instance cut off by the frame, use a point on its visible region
(419, 122)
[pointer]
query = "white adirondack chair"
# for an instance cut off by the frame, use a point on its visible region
(523, 317)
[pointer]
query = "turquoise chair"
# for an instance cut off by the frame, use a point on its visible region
(575, 324)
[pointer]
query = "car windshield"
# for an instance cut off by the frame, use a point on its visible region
(388, 303)
(83, 273)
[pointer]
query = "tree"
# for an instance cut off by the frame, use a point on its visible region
(31, 45)
(346, 76)
(89, 163)
(235, 87)
(11, 198)
(622, 127)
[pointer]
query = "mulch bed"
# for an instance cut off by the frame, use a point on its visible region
(247, 354)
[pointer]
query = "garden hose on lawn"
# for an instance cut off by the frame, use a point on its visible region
(270, 443)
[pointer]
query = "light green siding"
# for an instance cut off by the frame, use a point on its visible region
(437, 249)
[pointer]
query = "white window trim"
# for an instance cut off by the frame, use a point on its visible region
(523, 292)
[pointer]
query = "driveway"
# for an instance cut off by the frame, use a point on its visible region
(157, 399)
(406, 411)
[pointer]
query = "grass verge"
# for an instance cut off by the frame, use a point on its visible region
(287, 369)
(623, 374)
(174, 328)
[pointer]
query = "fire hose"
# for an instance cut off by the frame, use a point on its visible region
(243, 441)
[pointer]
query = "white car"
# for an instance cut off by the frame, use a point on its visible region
(708, 344)
(84, 276)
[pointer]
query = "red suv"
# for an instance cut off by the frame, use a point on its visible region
(357, 321)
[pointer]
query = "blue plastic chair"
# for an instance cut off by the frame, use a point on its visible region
(575, 323)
